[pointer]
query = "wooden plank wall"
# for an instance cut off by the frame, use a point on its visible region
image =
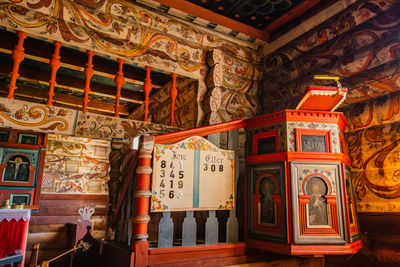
(51, 225)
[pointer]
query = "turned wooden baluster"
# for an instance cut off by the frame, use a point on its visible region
(17, 55)
(142, 218)
(119, 81)
(173, 94)
(88, 76)
(147, 89)
(55, 64)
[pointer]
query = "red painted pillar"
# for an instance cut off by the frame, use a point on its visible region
(17, 56)
(173, 94)
(147, 89)
(88, 76)
(119, 81)
(55, 64)
(142, 218)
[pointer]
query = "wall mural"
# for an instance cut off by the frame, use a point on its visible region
(24, 115)
(106, 127)
(75, 165)
(373, 143)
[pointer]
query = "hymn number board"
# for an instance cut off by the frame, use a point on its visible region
(192, 174)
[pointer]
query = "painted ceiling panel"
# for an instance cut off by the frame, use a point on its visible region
(255, 13)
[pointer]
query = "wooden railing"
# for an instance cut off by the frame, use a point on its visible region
(191, 228)
(178, 229)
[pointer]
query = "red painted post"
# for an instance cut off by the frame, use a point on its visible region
(173, 93)
(88, 76)
(55, 64)
(119, 81)
(17, 56)
(147, 89)
(142, 218)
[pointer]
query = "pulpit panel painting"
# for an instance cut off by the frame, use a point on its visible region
(351, 206)
(267, 209)
(317, 202)
(192, 174)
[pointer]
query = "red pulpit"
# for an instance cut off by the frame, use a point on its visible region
(13, 231)
(300, 198)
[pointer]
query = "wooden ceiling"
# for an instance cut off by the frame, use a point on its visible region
(256, 18)
(33, 82)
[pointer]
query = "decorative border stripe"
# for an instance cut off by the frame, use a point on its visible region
(196, 175)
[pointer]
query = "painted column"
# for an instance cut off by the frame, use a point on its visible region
(142, 218)
(119, 81)
(55, 64)
(17, 56)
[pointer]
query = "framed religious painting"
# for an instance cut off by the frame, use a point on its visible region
(266, 210)
(22, 156)
(266, 142)
(20, 198)
(4, 135)
(18, 166)
(312, 140)
(317, 202)
(28, 139)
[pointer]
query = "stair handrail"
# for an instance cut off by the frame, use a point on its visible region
(200, 131)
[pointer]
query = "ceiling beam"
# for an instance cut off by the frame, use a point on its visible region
(291, 15)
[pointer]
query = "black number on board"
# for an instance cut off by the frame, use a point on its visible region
(162, 173)
(162, 184)
(171, 194)
(205, 167)
(172, 183)
(163, 164)
(172, 175)
(221, 168)
(172, 165)
(181, 174)
(213, 167)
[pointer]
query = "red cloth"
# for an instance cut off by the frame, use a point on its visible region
(13, 235)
